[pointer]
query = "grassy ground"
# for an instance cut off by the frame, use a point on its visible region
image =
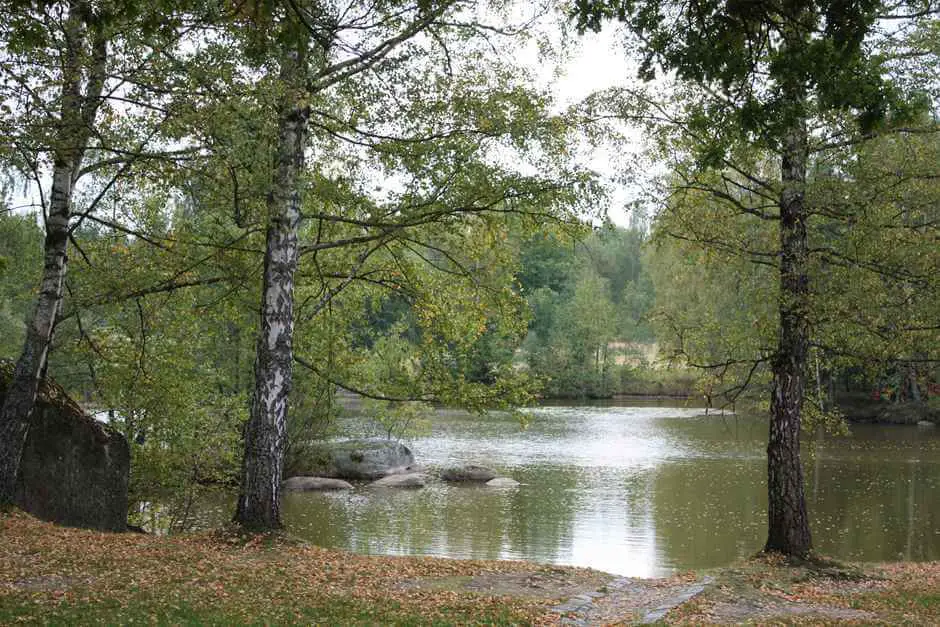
(56, 575)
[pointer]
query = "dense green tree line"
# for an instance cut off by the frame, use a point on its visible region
(589, 297)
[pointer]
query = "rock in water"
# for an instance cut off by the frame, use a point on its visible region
(350, 459)
(469, 473)
(411, 480)
(502, 482)
(74, 470)
(309, 484)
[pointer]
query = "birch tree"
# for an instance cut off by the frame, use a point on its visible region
(81, 106)
(77, 48)
(372, 92)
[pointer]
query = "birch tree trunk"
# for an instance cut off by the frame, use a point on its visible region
(266, 430)
(83, 76)
(788, 523)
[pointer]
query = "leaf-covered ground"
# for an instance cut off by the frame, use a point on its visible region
(51, 574)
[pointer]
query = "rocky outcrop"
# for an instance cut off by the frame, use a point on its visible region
(350, 459)
(312, 484)
(468, 474)
(502, 482)
(410, 480)
(74, 470)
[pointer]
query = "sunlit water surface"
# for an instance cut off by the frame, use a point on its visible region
(640, 491)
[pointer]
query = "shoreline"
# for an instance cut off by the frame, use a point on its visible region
(875, 412)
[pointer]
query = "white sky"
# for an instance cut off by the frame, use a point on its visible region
(598, 61)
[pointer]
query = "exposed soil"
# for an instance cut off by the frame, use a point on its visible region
(760, 591)
(546, 583)
(579, 596)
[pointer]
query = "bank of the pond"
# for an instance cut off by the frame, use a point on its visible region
(51, 574)
(856, 409)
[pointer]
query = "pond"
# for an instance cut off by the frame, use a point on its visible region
(642, 491)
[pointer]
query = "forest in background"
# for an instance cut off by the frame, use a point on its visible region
(597, 312)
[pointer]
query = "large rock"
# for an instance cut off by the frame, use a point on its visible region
(350, 459)
(310, 484)
(74, 470)
(410, 480)
(470, 473)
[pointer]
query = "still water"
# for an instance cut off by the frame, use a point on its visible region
(640, 491)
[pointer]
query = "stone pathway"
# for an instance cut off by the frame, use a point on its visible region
(629, 601)
(686, 595)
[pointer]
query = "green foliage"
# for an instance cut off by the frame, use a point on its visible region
(874, 265)
(715, 306)
(159, 338)
(418, 170)
(813, 417)
(20, 264)
(399, 419)
(590, 300)
(878, 257)
(755, 54)
(751, 79)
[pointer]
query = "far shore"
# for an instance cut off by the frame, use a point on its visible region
(855, 410)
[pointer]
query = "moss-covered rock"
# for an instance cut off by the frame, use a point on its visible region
(470, 473)
(74, 470)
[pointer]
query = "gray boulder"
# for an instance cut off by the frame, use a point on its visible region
(350, 459)
(410, 480)
(502, 482)
(74, 470)
(470, 473)
(310, 484)
(925, 423)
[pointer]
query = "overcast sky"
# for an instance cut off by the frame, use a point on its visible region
(598, 61)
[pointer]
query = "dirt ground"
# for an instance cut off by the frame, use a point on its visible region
(760, 591)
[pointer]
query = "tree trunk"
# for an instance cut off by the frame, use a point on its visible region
(912, 378)
(788, 523)
(266, 430)
(77, 115)
(820, 399)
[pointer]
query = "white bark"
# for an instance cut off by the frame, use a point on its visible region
(78, 109)
(266, 430)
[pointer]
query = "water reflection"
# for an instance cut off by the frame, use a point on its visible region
(641, 491)
(875, 496)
